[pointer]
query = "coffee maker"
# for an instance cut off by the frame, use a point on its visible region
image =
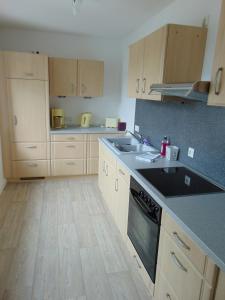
(57, 118)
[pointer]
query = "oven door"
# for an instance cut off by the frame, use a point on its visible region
(143, 233)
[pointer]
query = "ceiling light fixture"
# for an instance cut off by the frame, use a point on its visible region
(76, 4)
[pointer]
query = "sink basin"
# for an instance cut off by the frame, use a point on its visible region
(129, 145)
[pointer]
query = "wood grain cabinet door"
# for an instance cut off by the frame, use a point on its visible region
(135, 69)
(26, 65)
(217, 90)
(27, 110)
(90, 78)
(62, 77)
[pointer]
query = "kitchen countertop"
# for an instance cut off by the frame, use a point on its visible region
(77, 129)
(200, 216)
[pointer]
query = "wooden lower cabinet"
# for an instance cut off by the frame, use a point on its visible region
(163, 290)
(31, 168)
(66, 167)
(64, 150)
(220, 289)
(30, 151)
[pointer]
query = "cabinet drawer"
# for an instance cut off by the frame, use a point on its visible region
(26, 65)
(164, 291)
(186, 245)
(122, 171)
(68, 167)
(92, 166)
(31, 168)
(179, 271)
(68, 137)
(63, 150)
(93, 149)
(29, 151)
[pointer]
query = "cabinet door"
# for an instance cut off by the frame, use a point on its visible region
(28, 110)
(217, 91)
(90, 78)
(154, 56)
(220, 290)
(26, 65)
(135, 69)
(62, 77)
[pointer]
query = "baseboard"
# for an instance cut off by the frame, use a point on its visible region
(2, 185)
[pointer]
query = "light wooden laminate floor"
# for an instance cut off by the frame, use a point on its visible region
(58, 241)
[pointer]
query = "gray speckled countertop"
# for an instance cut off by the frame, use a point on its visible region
(202, 217)
(77, 129)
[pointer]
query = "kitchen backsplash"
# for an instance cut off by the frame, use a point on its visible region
(193, 125)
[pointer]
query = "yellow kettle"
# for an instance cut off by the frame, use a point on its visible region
(85, 119)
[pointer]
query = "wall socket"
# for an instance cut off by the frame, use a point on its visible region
(191, 152)
(136, 128)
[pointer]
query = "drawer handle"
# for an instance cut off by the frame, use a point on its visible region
(180, 242)
(168, 296)
(107, 170)
(144, 85)
(177, 262)
(103, 167)
(218, 81)
(116, 185)
(121, 172)
(29, 74)
(71, 138)
(138, 86)
(32, 165)
(31, 147)
(70, 164)
(71, 146)
(15, 120)
(135, 257)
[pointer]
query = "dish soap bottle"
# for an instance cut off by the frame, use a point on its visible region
(165, 142)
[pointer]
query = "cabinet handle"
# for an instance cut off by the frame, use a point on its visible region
(32, 165)
(70, 164)
(72, 88)
(29, 74)
(168, 296)
(138, 86)
(71, 138)
(70, 146)
(217, 82)
(31, 147)
(83, 88)
(180, 242)
(103, 168)
(15, 120)
(135, 257)
(144, 86)
(107, 170)
(121, 172)
(177, 262)
(116, 185)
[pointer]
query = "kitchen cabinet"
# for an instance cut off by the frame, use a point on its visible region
(181, 265)
(90, 78)
(217, 89)
(28, 106)
(172, 54)
(25, 65)
(31, 168)
(220, 289)
(63, 77)
(72, 77)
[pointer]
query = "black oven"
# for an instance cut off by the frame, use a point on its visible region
(144, 221)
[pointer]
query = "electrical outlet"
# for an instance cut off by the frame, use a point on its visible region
(136, 128)
(191, 152)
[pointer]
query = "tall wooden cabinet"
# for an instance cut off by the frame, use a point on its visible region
(172, 54)
(25, 130)
(72, 77)
(217, 90)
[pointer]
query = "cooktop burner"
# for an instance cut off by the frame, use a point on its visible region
(180, 181)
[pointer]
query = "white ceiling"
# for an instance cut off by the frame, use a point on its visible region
(106, 18)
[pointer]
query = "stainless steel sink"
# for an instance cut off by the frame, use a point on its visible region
(129, 145)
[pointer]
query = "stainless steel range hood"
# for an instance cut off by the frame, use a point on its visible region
(197, 91)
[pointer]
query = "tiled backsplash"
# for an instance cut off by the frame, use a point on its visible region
(193, 125)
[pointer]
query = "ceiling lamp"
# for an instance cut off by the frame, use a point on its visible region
(76, 4)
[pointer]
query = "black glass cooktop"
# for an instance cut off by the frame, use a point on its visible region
(180, 181)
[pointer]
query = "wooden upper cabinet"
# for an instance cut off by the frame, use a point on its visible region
(28, 110)
(217, 90)
(90, 78)
(136, 52)
(25, 65)
(62, 77)
(172, 54)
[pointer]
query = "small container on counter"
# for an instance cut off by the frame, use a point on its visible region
(164, 144)
(172, 152)
(122, 126)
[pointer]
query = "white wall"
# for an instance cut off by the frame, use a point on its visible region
(2, 179)
(67, 45)
(185, 12)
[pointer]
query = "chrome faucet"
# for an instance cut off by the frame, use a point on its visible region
(137, 136)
